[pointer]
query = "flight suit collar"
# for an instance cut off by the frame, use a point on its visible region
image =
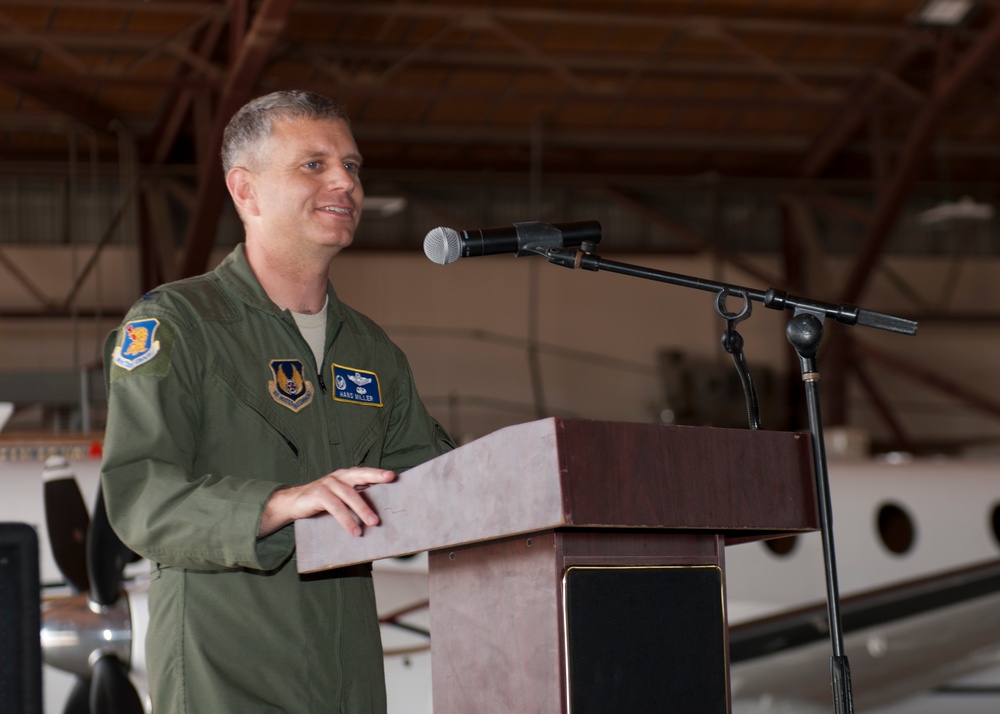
(235, 273)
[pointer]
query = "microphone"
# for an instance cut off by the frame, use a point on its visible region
(446, 245)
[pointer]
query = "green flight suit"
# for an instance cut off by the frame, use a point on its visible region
(215, 402)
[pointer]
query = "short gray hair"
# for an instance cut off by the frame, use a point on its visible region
(252, 124)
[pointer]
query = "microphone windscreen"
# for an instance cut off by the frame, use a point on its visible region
(443, 245)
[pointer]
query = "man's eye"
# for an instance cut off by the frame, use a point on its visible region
(312, 165)
(352, 167)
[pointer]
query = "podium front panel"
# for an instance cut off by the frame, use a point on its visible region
(495, 633)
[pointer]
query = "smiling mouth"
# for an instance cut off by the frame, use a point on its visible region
(337, 209)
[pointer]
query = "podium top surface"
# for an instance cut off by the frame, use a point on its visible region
(562, 473)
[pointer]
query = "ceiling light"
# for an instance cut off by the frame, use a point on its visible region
(944, 13)
(6, 409)
(385, 206)
(949, 212)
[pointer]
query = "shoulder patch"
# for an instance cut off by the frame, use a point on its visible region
(355, 385)
(139, 344)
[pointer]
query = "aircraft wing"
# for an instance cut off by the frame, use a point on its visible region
(899, 640)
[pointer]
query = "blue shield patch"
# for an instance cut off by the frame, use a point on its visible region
(356, 385)
(139, 344)
(289, 388)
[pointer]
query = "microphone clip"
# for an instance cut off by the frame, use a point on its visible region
(536, 237)
(573, 258)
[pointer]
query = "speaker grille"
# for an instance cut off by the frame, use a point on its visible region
(645, 639)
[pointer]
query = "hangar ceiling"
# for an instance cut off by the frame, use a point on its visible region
(859, 108)
(836, 95)
(772, 88)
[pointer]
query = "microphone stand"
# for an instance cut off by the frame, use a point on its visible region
(804, 332)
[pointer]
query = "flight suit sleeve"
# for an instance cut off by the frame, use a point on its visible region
(156, 503)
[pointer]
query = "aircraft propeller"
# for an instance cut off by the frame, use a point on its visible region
(68, 521)
(88, 634)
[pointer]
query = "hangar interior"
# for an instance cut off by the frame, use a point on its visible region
(845, 151)
(841, 150)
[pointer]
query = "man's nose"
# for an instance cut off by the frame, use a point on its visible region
(340, 177)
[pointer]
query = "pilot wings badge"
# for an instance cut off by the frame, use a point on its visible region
(289, 388)
(356, 385)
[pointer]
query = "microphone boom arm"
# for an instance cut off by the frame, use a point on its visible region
(770, 298)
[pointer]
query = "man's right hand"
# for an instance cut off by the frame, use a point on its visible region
(337, 493)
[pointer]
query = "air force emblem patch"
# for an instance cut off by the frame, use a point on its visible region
(289, 388)
(139, 344)
(356, 385)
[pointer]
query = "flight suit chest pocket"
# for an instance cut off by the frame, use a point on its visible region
(363, 431)
(252, 420)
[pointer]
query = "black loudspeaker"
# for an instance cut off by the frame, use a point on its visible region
(20, 614)
(645, 640)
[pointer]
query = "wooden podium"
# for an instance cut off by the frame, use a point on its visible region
(578, 566)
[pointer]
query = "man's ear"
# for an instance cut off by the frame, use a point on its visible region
(241, 187)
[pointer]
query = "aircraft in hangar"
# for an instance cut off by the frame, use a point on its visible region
(917, 543)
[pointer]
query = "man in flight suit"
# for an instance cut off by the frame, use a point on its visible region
(242, 400)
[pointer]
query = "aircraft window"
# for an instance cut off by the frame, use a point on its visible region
(781, 546)
(896, 528)
(996, 523)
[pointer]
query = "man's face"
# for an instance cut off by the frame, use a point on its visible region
(307, 185)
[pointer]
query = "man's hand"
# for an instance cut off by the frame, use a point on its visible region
(337, 493)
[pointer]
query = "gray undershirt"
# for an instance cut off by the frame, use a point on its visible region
(313, 329)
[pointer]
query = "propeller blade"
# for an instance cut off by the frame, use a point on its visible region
(112, 692)
(107, 556)
(79, 698)
(67, 521)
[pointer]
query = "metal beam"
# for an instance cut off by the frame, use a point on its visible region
(884, 407)
(565, 18)
(379, 89)
(607, 60)
(187, 7)
(88, 112)
(25, 281)
(856, 110)
(165, 134)
(976, 60)
(971, 397)
(398, 56)
(43, 43)
(767, 65)
(241, 81)
(692, 238)
(95, 254)
(113, 315)
(26, 80)
(644, 141)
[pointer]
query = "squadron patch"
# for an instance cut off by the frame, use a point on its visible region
(355, 385)
(139, 344)
(289, 388)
